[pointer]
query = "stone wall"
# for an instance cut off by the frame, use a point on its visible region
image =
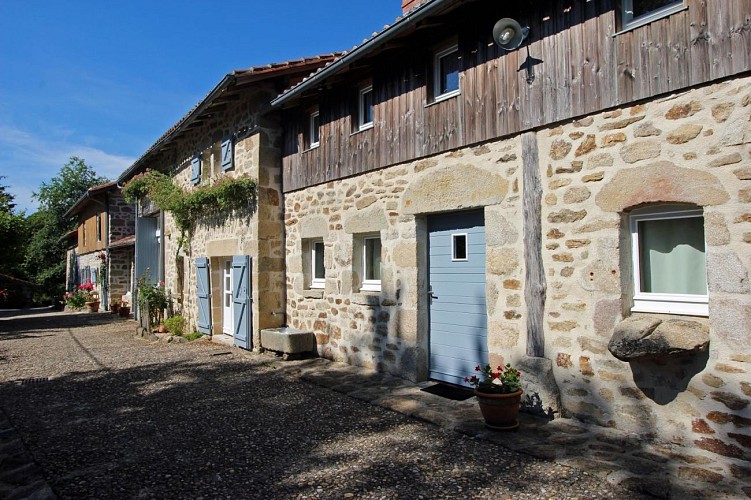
(691, 147)
(121, 266)
(88, 265)
(122, 220)
(256, 232)
(386, 330)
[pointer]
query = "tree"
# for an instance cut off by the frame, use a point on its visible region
(45, 254)
(12, 235)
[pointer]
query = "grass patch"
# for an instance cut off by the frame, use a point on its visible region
(193, 336)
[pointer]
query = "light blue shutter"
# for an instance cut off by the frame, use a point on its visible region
(195, 170)
(241, 299)
(204, 295)
(227, 154)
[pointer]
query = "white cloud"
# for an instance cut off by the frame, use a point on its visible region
(27, 160)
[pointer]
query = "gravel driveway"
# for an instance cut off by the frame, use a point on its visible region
(107, 415)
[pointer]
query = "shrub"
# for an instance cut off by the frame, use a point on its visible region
(194, 336)
(78, 297)
(153, 296)
(175, 325)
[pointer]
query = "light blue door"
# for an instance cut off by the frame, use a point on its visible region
(204, 295)
(458, 314)
(241, 299)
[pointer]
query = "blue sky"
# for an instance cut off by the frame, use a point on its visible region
(103, 80)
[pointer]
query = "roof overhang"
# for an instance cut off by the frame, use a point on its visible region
(88, 195)
(212, 100)
(369, 46)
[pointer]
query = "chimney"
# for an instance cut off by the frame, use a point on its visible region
(408, 5)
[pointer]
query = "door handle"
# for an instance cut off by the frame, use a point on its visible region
(432, 295)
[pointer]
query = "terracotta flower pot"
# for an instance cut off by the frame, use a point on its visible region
(92, 306)
(500, 411)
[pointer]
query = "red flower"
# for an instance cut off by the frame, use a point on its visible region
(494, 375)
(477, 368)
(466, 379)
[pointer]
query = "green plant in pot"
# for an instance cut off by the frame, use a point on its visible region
(499, 395)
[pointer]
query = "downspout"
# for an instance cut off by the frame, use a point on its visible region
(106, 282)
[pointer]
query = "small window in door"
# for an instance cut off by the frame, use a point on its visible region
(459, 247)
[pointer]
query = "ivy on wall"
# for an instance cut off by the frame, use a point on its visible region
(187, 208)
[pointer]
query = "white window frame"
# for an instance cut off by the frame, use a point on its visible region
(629, 22)
(228, 313)
(316, 282)
(437, 74)
(362, 124)
(453, 247)
(369, 285)
(312, 128)
(666, 303)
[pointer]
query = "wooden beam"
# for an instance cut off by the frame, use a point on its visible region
(535, 285)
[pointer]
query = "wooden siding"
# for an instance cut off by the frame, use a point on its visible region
(88, 219)
(579, 67)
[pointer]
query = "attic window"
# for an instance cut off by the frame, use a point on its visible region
(446, 66)
(365, 108)
(314, 130)
(635, 13)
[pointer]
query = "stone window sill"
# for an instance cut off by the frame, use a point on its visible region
(367, 298)
(313, 294)
(653, 336)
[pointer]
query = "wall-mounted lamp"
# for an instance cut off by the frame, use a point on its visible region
(508, 34)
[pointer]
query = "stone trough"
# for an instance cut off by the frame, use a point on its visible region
(291, 343)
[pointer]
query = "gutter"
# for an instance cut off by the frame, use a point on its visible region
(401, 25)
(228, 80)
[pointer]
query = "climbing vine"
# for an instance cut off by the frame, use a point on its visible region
(225, 195)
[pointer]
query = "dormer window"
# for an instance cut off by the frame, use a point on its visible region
(636, 13)
(446, 67)
(365, 108)
(314, 130)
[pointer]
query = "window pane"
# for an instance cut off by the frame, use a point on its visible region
(373, 259)
(460, 246)
(449, 71)
(642, 7)
(672, 256)
(314, 128)
(319, 271)
(367, 107)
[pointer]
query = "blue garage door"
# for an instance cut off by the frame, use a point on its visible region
(458, 314)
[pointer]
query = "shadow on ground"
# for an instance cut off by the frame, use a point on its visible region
(233, 428)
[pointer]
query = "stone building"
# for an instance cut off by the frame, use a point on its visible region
(574, 199)
(227, 276)
(102, 247)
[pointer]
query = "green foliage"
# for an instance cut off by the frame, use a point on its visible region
(13, 235)
(44, 260)
(193, 336)
(187, 208)
(152, 296)
(175, 325)
(77, 298)
(505, 380)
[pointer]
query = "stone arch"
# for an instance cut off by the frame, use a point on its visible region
(658, 182)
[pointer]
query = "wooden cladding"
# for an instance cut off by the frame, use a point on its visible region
(579, 68)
